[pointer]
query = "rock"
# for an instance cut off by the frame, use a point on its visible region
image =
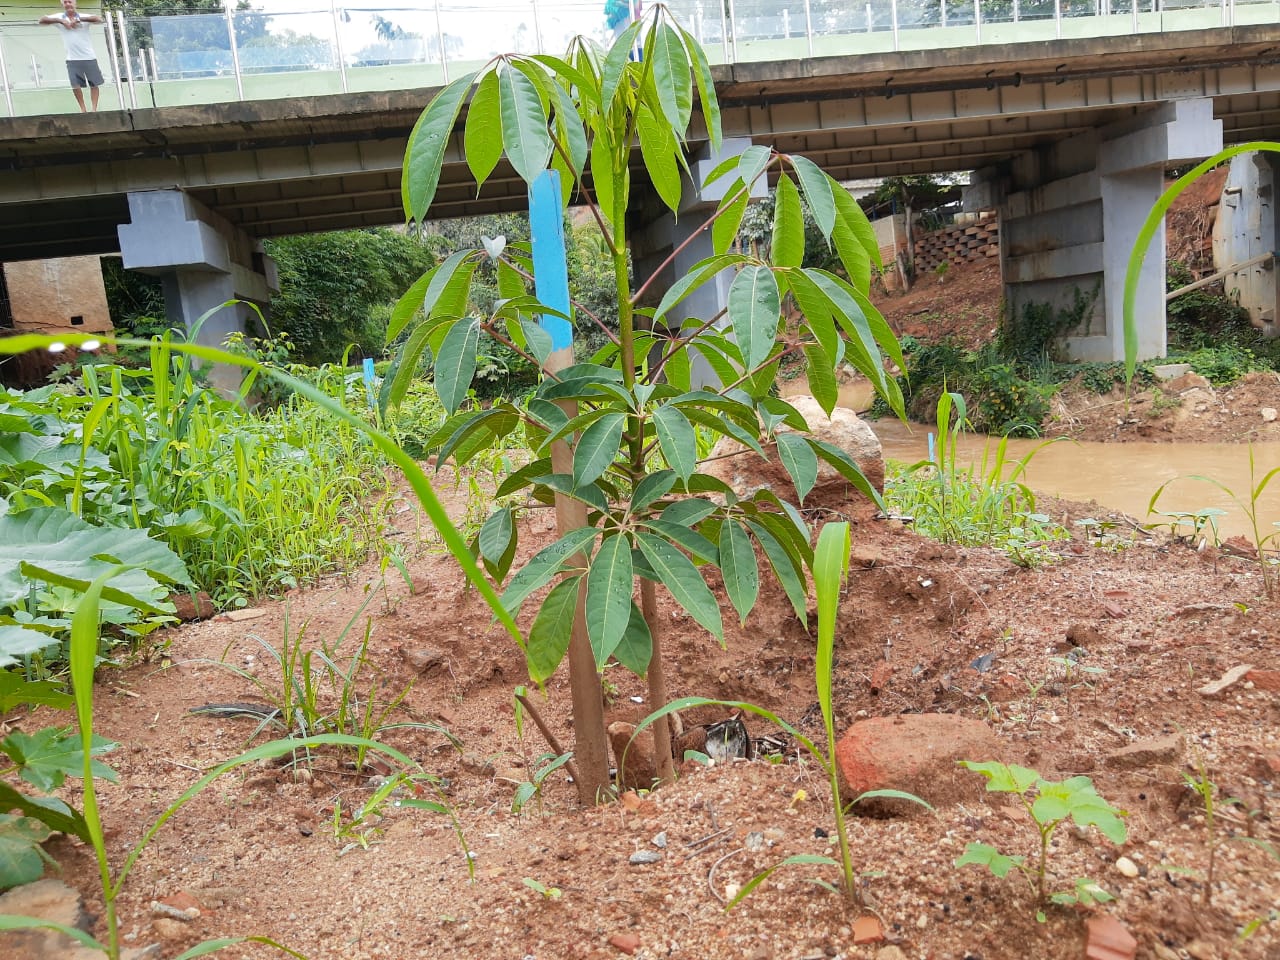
(867, 929)
(1127, 868)
(633, 758)
(187, 607)
(48, 900)
(643, 857)
(240, 616)
(745, 472)
(1084, 635)
(1107, 939)
(1268, 680)
(1226, 680)
(424, 659)
(890, 952)
(1188, 381)
(1268, 414)
(1146, 753)
(916, 753)
(628, 943)
(167, 928)
(1200, 950)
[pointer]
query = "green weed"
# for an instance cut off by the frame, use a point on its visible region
(1049, 804)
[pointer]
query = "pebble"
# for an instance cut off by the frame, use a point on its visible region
(660, 841)
(1127, 868)
(641, 857)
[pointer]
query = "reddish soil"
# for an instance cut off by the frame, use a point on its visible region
(258, 852)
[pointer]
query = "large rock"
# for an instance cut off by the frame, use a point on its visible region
(916, 753)
(744, 471)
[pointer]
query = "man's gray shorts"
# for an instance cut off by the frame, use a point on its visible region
(84, 73)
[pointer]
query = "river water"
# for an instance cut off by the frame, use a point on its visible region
(1119, 476)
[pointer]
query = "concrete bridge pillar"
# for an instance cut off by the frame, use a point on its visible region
(1069, 215)
(202, 262)
(1247, 229)
(660, 232)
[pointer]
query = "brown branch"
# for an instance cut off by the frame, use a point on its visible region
(548, 736)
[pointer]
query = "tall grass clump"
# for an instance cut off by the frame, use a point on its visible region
(984, 503)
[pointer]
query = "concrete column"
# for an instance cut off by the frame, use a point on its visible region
(664, 232)
(1247, 228)
(202, 261)
(1071, 214)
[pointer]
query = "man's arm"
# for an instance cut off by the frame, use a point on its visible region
(51, 18)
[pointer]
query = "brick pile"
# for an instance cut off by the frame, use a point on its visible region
(959, 243)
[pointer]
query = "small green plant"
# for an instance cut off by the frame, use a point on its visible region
(1050, 804)
(830, 567)
(1198, 521)
(1248, 506)
(543, 767)
(544, 890)
(1205, 788)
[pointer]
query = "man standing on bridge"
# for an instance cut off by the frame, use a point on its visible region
(82, 62)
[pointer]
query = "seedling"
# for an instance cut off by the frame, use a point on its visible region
(830, 566)
(549, 892)
(546, 765)
(1050, 804)
(1202, 783)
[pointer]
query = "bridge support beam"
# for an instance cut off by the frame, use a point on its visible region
(1069, 215)
(660, 232)
(202, 262)
(1246, 231)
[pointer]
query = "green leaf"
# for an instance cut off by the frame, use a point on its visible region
(482, 141)
(681, 578)
(787, 568)
(524, 124)
(830, 567)
(688, 512)
(730, 211)
(651, 488)
(427, 291)
(658, 148)
(706, 89)
(699, 274)
(676, 439)
(683, 536)
(755, 309)
(738, 565)
(544, 565)
(671, 76)
(495, 535)
(608, 602)
(791, 861)
(424, 153)
(816, 187)
(822, 379)
(983, 855)
(551, 630)
(1003, 777)
(597, 448)
(20, 856)
(890, 794)
(15, 643)
(615, 65)
(53, 544)
(636, 649)
(752, 161)
(800, 462)
(786, 249)
(455, 366)
(16, 689)
(855, 239)
(847, 467)
(45, 757)
(48, 810)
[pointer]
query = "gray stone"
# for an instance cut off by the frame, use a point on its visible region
(1146, 753)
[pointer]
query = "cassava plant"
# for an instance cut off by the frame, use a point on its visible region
(613, 440)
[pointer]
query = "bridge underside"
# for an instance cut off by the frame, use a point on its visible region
(83, 184)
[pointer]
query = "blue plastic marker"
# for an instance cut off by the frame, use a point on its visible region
(368, 382)
(550, 271)
(932, 456)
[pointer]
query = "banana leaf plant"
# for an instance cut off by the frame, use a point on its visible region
(653, 516)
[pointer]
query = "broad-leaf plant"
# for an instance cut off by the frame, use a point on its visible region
(634, 415)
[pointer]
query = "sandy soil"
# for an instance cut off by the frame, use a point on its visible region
(259, 853)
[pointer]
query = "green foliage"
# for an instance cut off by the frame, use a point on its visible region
(1220, 365)
(830, 568)
(543, 767)
(1248, 505)
(1050, 803)
(630, 414)
(332, 286)
(1041, 327)
(252, 503)
(984, 503)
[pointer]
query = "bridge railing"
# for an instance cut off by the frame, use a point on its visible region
(303, 47)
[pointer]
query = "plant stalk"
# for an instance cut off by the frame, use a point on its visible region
(663, 762)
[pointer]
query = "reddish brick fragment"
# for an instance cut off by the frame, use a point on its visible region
(1107, 939)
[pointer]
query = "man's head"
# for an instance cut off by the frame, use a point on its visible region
(69, 8)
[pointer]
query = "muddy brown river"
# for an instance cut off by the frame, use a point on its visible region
(1119, 476)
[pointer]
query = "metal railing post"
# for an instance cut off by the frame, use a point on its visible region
(808, 25)
(1057, 18)
(1133, 7)
(235, 54)
(977, 21)
(537, 29)
(127, 57)
(113, 32)
(4, 78)
(893, 14)
(733, 31)
(151, 57)
(1017, 12)
(337, 44)
(444, 60)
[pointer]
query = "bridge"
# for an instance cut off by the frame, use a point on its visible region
(1069, 111)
